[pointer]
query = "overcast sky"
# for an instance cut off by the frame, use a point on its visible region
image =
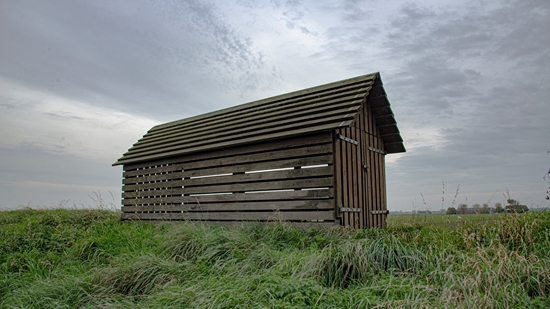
(81, 81)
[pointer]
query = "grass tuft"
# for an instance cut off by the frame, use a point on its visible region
(139, 276)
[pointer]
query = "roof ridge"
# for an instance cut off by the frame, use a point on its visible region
(312, 110)
(268, 100)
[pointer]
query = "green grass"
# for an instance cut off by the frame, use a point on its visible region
(442, 220)
(89, 259)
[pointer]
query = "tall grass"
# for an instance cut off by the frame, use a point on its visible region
(90, 259)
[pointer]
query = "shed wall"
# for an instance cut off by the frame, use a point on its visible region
(290, 179)
(360, 173)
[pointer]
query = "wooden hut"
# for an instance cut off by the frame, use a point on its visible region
(314, 157)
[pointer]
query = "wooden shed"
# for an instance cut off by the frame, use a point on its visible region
(313, 157)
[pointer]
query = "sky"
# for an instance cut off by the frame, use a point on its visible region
(81, 81)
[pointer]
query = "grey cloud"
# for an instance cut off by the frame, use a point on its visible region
(441, 33)
(528, 36)
(8, 106)
(291, 13)
(61, 115)
(79, 50)
(412, 15)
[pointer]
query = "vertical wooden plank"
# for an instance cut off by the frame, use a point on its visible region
(360, 182)
(384, 192)
(365, 162)
(378, 175)
(376, 188)
(383, 182)
(354, 171)
(369, 167)
(337, 164)
(361, 186)
(353, 179)
(359, 189)
(356, 189)
(380, 182)
(364, 175)
(372, 171)
(377, 181)
(345, 194)
(359, 178)
(349, 149)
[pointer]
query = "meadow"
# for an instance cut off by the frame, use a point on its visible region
(90, 259)
(442, 220)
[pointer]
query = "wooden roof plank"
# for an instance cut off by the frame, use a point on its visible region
(214, 138)
(277, 135)
(257, 117)
(228, 130)
(292, 95)
(322, 108)
(282, 105)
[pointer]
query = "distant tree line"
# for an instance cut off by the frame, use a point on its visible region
(512, 207)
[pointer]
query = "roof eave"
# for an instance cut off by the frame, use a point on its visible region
(383, 116)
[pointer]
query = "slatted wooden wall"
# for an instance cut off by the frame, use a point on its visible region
(360, 173)
(290, 179)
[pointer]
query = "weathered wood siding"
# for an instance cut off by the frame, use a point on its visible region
(290, 179)
(360, 173)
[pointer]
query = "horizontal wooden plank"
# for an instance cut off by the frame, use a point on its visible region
(236, 197)
(235, 216)
(239, 159)
(240, 178)
(299, 162)
(287, 143)
(253, 139)
(250, 206)
(270, 185)
(262, 176)
(258, 186)
(261, 157)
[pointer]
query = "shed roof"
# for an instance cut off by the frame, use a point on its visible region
(322, 108)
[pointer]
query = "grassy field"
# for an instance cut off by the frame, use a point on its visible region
(89, 259)
(442, 220)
